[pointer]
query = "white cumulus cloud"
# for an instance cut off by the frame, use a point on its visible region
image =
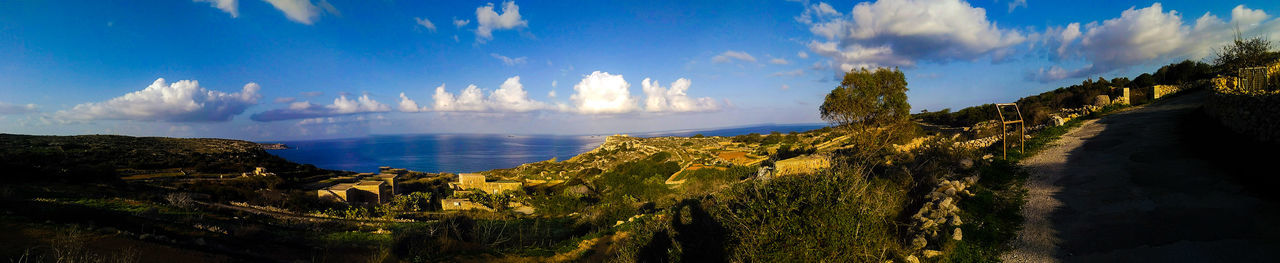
(1147, 35)
(488, 20)
(603, 93)
(470, 99)
(181, 101)
(676, 99)
(408, 105)
(903, 32)
(509, 97)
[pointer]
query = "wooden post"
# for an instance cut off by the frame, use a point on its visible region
(1004, 134)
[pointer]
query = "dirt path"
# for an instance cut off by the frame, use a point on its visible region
(1128, 188)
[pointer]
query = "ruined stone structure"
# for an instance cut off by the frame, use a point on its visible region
(457, 204)
(1123, 99)
(801, 165)
(258, 171)
(468, 181)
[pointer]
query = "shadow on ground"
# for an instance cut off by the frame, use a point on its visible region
(1165, 183)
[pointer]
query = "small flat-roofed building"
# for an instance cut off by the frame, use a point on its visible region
(373, 192)
(338, 192)
(471, 179)
(391, 180)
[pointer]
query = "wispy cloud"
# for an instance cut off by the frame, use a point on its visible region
(229, 6)
(6, 108)
(305, 109)
(301, 11)
(425, 23)
(729, 56)
(459, 23)
(510, 61)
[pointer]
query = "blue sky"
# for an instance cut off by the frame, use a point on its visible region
(299, 69)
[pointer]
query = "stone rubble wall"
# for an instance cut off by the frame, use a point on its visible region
(1158, 91)
(1251, 112)
(940, 214)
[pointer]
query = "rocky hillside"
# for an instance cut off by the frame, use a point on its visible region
(102, 156)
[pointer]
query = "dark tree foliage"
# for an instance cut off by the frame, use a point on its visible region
(1182, 72)
(868, 99)
(1244, 53)
(747, 138)
(962, 118)
(1144, 80)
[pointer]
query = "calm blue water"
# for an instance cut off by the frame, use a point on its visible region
(465, 153)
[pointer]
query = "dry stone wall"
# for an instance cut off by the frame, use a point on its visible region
(1251, 112)
(1158, 91)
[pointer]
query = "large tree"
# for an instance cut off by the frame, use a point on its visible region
(1243, 53)
(868, 99)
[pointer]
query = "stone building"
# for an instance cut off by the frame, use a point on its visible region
(358, 192)
(374, 191)
(391, 180)
(468, 181)
(338, 192)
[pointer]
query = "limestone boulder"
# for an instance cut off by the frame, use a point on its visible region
(1058, 120)
(1102, 101)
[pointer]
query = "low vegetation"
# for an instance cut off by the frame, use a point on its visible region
(702, 199)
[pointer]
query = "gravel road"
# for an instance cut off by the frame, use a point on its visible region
(1128, 188)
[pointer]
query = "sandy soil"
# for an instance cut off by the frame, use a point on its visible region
(1128, 188)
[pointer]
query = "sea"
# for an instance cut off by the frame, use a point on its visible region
(464, 153)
